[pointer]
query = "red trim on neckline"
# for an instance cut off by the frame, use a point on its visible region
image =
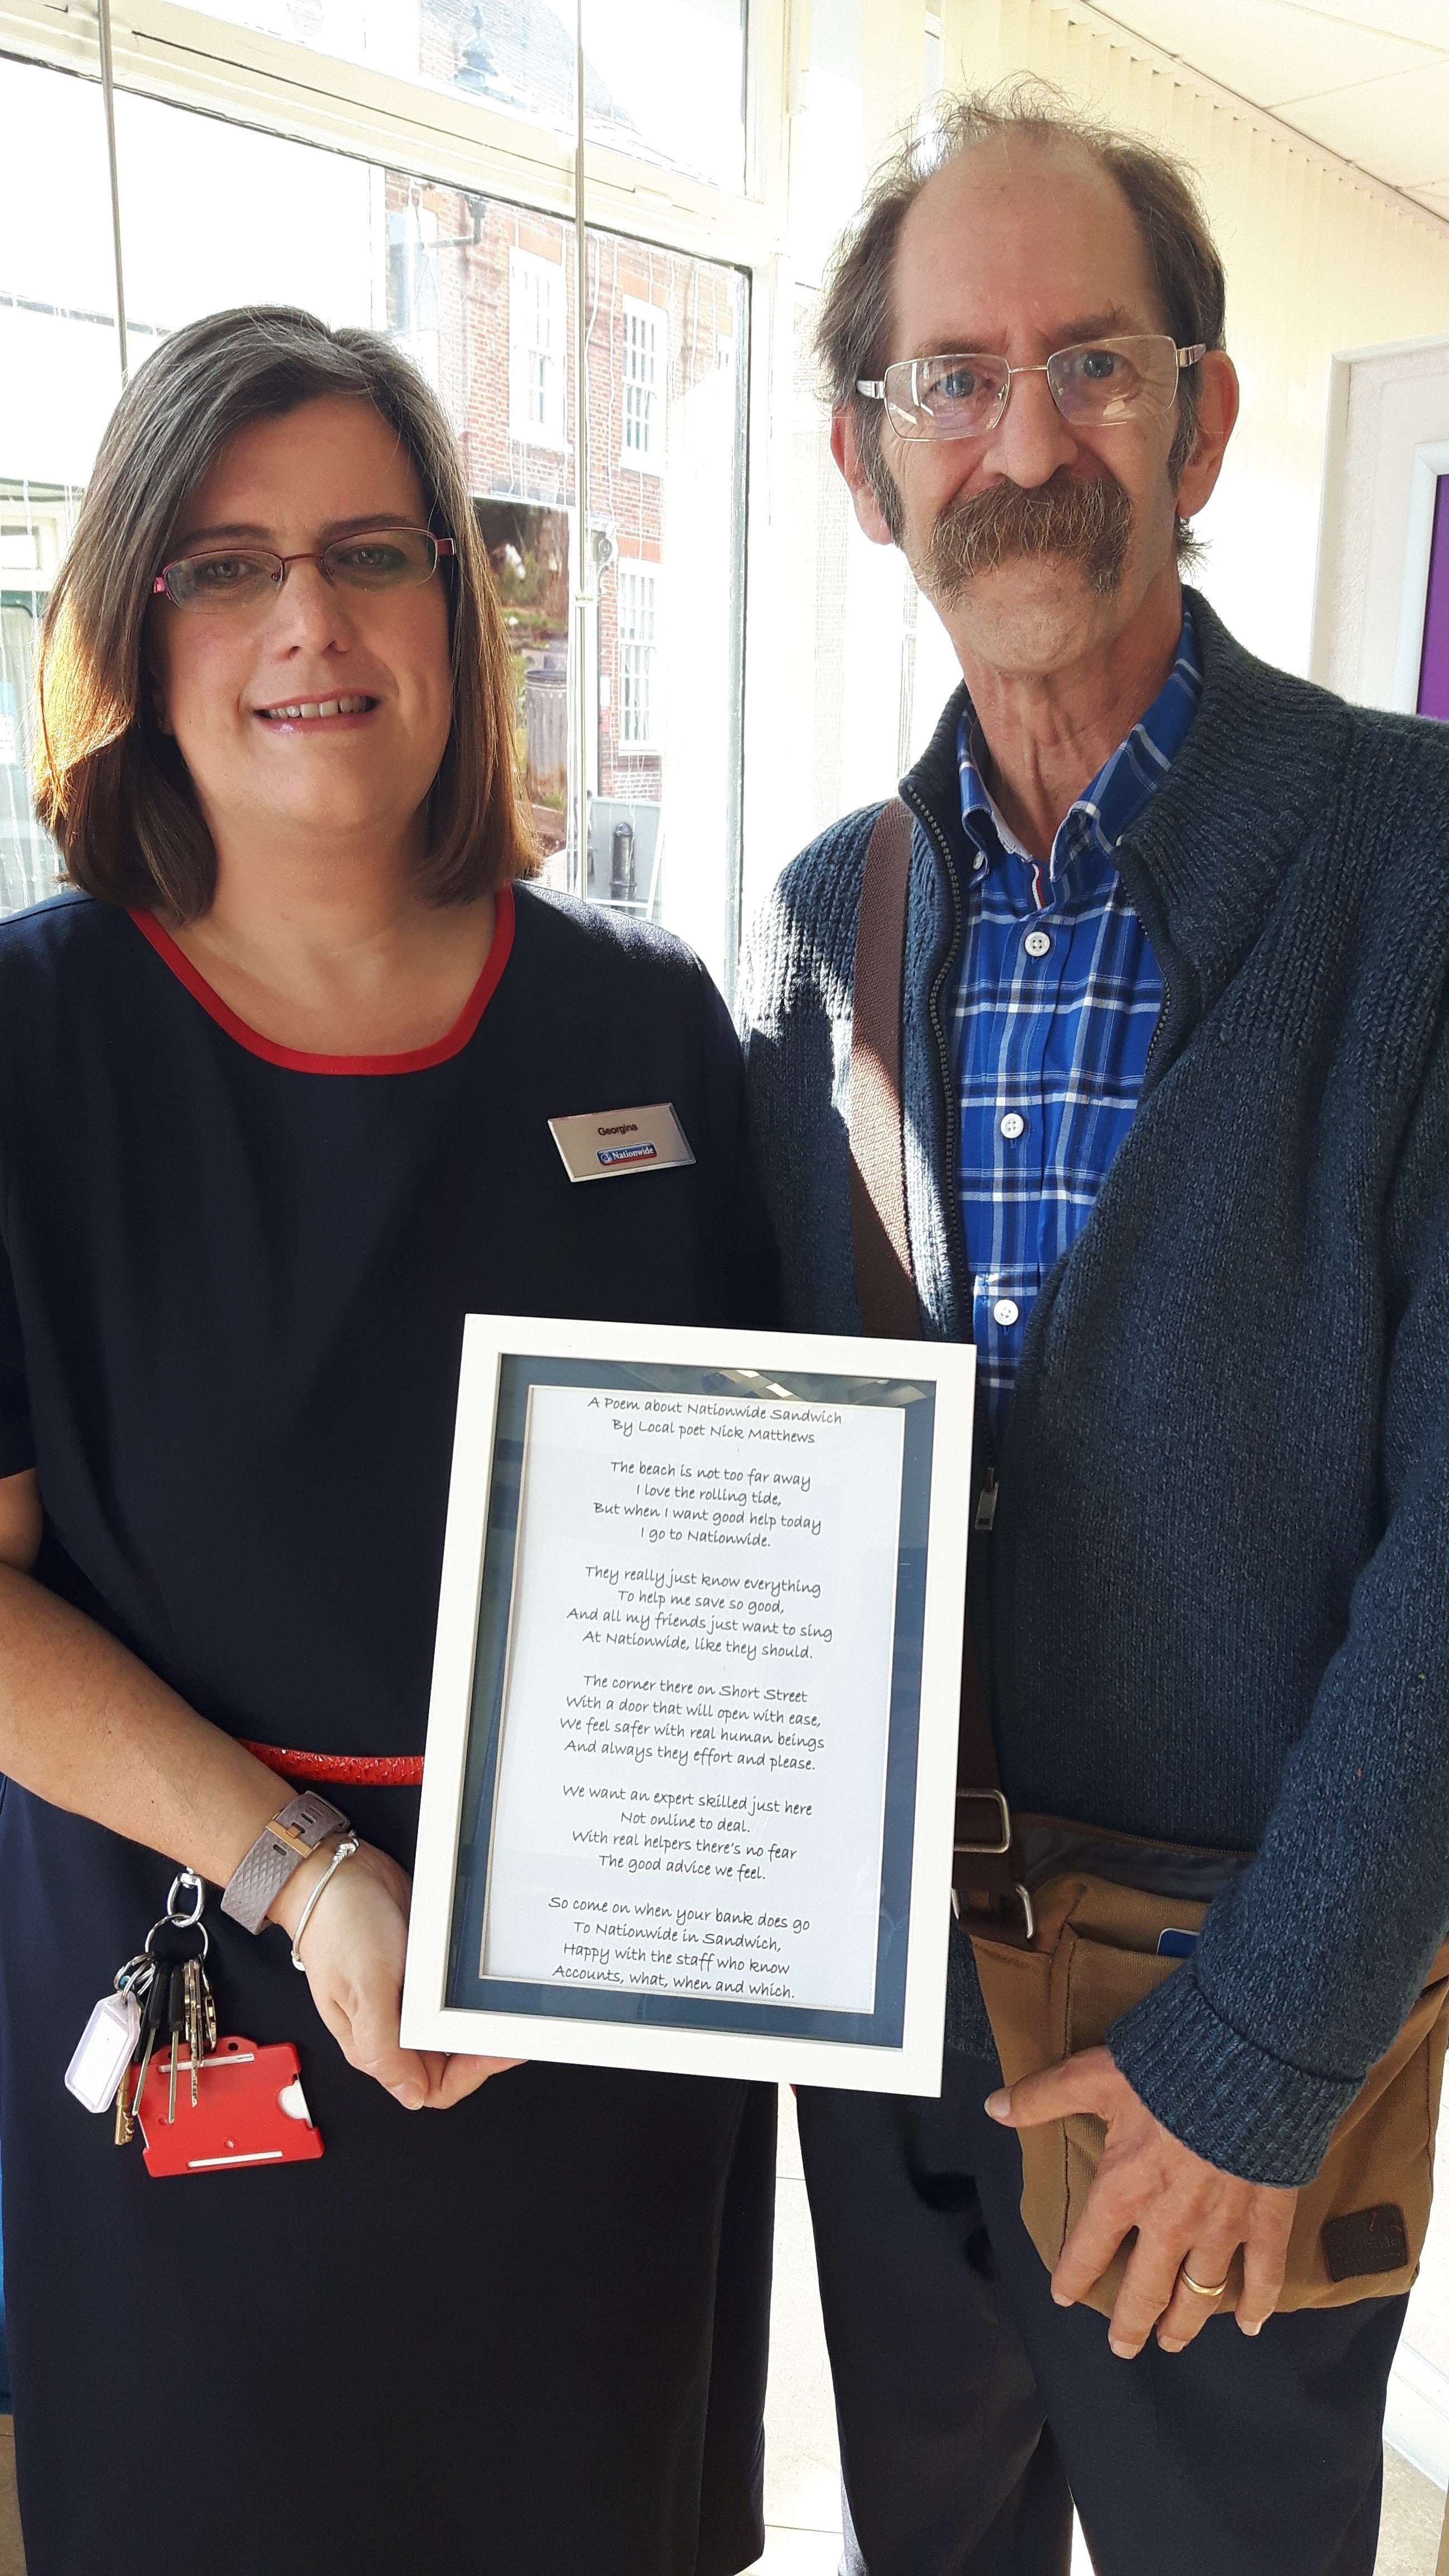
(412, 1060)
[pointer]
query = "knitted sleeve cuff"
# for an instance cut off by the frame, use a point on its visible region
(1244, 2111)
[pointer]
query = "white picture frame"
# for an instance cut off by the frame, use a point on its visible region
(892, 2043)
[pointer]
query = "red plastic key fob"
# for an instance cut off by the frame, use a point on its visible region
(250, 2110)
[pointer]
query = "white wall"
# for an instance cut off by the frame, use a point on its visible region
(1319, 258)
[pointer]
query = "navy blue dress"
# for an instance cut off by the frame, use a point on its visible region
(232, 1284)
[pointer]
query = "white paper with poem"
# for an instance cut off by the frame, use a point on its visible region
(691, 1786)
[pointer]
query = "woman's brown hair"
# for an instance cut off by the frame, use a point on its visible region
(112, 787)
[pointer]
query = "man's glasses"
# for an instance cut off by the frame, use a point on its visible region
(1099, 383)
(239, 576)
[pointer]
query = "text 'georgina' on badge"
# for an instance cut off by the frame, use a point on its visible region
(599, 1147)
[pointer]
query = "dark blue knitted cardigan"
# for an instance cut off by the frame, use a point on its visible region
(1215, 1604)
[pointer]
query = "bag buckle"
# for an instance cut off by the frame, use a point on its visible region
(986, 1797)
(991, 1850)
(1028, 1911)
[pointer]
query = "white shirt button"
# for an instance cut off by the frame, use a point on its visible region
(1037, 943)
(1013, 1125)
(1006, 1311)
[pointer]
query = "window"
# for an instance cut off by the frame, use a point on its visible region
(645, 343)
(638, 646)
(537, 349)
(477, 288)
(412, 285)
(58, 379)
(664, 80)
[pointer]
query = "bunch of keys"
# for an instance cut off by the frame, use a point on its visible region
(161, 1997)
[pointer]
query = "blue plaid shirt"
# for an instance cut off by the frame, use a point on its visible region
(1051, 1023)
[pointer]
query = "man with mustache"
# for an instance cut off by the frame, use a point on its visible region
(1176, 1088)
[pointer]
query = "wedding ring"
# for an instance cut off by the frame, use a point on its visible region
(1204, 2289)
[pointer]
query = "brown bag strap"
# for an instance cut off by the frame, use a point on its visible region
(984, 1865)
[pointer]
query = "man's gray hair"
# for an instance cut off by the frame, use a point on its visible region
(852, 333)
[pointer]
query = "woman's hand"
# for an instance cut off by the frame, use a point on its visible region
(353, 1952)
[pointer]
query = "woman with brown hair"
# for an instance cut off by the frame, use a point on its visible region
(275, 1084)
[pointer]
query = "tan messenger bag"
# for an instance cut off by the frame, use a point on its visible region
(1065, 1919)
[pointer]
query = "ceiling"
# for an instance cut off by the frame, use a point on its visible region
(1369, 79)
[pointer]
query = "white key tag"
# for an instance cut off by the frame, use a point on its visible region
(107, 2046)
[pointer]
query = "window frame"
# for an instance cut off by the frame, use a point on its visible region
(189, 58)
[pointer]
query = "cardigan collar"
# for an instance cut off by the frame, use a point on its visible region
(1260, 762)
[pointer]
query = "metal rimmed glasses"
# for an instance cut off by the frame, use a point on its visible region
(237, 576)
(1098, 382)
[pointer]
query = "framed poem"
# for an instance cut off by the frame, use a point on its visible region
(691, 1757)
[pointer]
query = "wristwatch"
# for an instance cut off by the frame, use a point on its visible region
(281, 1847)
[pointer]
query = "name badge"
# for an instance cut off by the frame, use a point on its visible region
(620, 1140)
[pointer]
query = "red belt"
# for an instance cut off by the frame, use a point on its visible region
(363, 1770)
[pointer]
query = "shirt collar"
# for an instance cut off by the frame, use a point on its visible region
(1111, 803)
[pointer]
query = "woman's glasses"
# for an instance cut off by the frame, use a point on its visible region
(238, 576)
(1102, 381)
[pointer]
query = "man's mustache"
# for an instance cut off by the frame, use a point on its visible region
(1086, 523)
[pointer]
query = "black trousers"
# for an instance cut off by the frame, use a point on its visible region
(973, 2410)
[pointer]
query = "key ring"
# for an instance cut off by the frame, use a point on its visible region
(180, 1921)
(192, 1923)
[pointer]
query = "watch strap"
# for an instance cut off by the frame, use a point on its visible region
(281, 1847)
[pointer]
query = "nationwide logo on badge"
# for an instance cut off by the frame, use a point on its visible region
(608, 1144)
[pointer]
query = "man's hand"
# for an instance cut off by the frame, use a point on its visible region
(1186, 2212)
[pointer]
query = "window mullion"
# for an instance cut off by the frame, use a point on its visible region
(108, 93)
